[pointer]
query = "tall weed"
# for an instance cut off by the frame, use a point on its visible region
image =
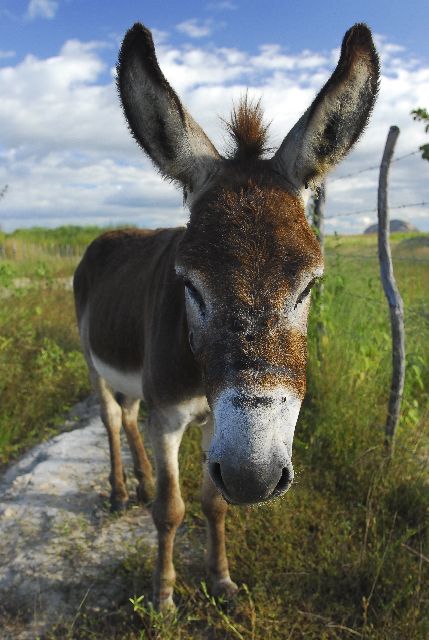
(345, 553)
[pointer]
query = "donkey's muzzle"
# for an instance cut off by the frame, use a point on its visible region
(249, 459)
(249, 486)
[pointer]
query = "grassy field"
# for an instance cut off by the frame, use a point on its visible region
(345, 554)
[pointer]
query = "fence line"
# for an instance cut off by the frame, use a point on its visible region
(395, 304)
(398, 206)
(363, 256)
(379, 301)
(373, 167)
(20, 250)
(392, 293)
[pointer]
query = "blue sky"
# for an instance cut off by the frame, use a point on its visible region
(234, 23)
(67, 156)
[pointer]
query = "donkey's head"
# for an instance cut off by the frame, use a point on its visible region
(248, 258)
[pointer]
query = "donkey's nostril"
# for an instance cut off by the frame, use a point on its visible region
(242, 362)
(284, 482)
(215, 472)
(236, 325)
(191, 341)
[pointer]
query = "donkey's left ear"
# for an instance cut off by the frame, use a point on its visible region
(338, 115)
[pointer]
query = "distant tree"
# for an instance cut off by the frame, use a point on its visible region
(422, 115)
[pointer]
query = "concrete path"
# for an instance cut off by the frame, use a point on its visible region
(59, 544)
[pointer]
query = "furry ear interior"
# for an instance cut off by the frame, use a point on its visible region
(337, 116)
(156, 117)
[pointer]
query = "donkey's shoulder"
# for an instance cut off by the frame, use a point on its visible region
(131, 243)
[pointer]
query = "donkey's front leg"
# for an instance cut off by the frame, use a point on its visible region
(215, 508)
(168, 508)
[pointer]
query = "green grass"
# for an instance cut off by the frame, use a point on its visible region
(39, 252)
(345, 553)
(42, 371)
(68, 235)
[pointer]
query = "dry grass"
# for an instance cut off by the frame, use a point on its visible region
(345, 553)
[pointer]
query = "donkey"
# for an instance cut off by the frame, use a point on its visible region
(208, 323)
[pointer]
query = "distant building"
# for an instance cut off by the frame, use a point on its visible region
(396, 226)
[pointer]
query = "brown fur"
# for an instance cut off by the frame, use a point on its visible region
(115, 283)
(247, 129)
(249, 242)
(246, 261)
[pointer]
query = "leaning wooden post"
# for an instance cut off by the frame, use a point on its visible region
(393, 296)
(319, 215)
(319, 203)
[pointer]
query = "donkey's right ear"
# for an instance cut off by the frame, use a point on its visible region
(157, 119)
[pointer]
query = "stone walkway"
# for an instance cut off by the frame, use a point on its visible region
(59, 545)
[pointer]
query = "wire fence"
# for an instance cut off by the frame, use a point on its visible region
(24, 250)
(420, 310)
(416, 315)
(373, 167)
(364, 256)
(406, 205)
(416, 311)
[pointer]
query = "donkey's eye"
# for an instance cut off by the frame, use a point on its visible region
(305, 293)
(195, 294)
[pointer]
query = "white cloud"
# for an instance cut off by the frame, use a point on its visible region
(67, 156)
(42, 9)
(7, 54)
(195, 28)
(222, 6)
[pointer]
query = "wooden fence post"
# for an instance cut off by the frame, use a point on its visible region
(319, 215)
(393, 296)
(319, 202)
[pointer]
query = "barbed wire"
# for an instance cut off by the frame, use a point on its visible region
(362, 256)
(357, 213)
(414, 310)
(373, 167)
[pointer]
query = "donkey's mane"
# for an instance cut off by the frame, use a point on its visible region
(248, 132)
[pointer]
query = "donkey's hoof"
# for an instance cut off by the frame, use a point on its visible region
(117, 506)
(165, 605)
(224, 588)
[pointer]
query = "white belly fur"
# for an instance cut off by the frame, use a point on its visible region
(127, 382)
